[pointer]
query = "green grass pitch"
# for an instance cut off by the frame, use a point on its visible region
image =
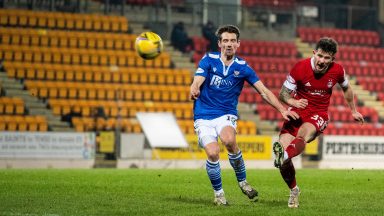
(185, 192)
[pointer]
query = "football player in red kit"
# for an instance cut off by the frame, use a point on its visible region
(307, 90)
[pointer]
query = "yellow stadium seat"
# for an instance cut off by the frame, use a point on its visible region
(72, 41)
(25, 39)
(51, 20)
(54, 41)
(97, 23)
(79, 22)
(47, 56)
(42, 20)
(76, 57)
(9, 106)
(31, 123)
(72, 92)
(2, 125)
(11, 126)
(22, 126)
(13, 19)
(18, 55)
(19, 106)
(82, 93)
(82, 40)
(44, 40)
(23, 19)
(3, 18)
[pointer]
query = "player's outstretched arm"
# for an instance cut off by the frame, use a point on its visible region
(285, 96)
(195, 87)
(270, 98)
(349, 97)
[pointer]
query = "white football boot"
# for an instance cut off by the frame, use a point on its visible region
(293, 201)
(220, 199)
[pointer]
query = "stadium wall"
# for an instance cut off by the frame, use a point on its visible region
(47, 150)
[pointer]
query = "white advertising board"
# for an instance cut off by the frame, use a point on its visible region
(161, 130)
(47, 145)
(353, 147)
(352, 152)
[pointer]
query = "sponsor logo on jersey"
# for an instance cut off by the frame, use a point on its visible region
(318, 92)
(218, 81)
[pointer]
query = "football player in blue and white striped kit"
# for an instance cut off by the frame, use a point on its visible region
(216, 87)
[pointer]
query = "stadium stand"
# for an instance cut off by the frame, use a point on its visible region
(272, 64)
(82, 61)
(343, 36)
(80, 70)
(283, 5)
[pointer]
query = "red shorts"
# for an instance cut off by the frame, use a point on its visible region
(319, 120)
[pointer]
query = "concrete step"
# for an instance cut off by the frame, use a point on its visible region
(11, 85)
(35, 105)
(60, 124)
(15, 92)
(37, 111)
(53, 118)
(28, 99)
(62, 129)
(181, 58)
(184, 65)
(137, 28)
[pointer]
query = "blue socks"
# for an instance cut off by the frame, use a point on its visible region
(237, 162)
(214, 174)
(214, 171)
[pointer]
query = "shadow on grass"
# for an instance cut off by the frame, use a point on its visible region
(191, 200)
(271, 202)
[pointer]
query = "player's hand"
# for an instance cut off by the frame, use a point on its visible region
(358, 117)
(195, 93)
(288, 115)
(301, 103)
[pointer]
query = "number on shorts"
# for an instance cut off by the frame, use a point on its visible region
(319, 121)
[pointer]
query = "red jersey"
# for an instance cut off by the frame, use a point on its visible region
(317, 89)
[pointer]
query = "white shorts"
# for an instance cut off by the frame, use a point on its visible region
(208, 130)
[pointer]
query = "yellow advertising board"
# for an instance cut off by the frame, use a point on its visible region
(107, 142)
(312, 148)
(252, 147)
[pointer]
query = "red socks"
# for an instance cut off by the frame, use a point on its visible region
(287, 171)
(296, 147)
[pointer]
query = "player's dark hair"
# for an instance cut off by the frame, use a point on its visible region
(327, 44)
(229, 29)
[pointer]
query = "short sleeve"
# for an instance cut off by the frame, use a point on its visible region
(291, 80)
(251, 77)
(202, 69)
(343, 79)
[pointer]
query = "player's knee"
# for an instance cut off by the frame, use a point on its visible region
(229, 143)
(213, 153)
